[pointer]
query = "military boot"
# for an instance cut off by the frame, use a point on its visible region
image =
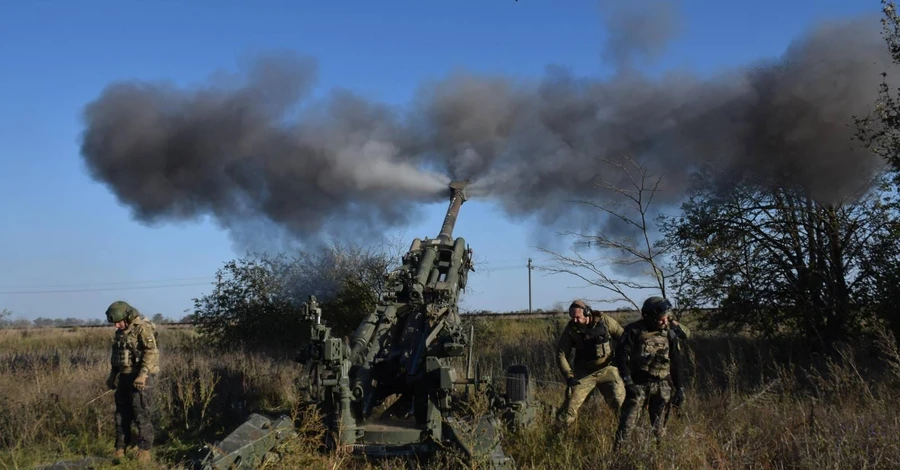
(119, 456)
(143, 456)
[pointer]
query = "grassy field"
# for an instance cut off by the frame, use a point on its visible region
(751, 403)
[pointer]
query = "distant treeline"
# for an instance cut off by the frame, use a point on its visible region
(44, 322)
(160, 319)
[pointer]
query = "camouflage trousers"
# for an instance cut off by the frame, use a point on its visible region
(606, 380)
(654, 396)
(134, 406)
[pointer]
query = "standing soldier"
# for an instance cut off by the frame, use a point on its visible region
(649, 359)
(135, 365)
(589, 333)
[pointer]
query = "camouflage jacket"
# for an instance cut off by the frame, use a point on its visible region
(135, 348)
(592, 343)
(646, 355)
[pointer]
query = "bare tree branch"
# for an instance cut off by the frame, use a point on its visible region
(629, 204)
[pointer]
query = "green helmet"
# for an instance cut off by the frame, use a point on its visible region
(120, 310)
(655, 307)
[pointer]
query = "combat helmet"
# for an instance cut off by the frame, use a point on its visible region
(655, 307)
(120, 310)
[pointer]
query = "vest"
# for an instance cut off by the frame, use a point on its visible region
(126, 354)
(652, 354)
(592, 346)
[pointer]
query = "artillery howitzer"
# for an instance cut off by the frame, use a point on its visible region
(401, 351)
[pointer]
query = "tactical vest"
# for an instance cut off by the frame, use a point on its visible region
(122, 358)
(592, 343)
(125, 352)
(653, 354)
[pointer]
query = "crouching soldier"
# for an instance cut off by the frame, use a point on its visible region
(134, 368)
(649, 359)
(589, 333)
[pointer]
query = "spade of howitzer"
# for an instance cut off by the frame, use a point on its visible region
(400, 355)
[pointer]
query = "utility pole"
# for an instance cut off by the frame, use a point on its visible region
(529, 285)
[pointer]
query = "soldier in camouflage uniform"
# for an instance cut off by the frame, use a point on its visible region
(589, 333)
(649, 360)
(134, 368)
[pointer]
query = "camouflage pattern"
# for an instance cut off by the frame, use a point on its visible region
(593, 363)
(135, 349)
(606, 380)
(656, 396)
(649, 361)
(652, 358)
(134, 365)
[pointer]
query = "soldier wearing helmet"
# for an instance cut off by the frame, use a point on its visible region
(134, 366)
(590, 333)
(649, 359)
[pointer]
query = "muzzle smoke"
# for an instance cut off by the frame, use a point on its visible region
(263, 149)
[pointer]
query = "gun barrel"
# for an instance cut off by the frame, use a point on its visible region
(457, 197)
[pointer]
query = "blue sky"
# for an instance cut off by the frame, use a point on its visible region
(61, 231)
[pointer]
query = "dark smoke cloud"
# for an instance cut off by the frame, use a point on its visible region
(265, 149)
(234, 152)
(637, 29)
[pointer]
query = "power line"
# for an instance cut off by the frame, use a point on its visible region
(500, 268)
(63, 291)
(135, 285)
(91, 284)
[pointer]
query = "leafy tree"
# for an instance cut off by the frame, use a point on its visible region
(256, 300)
(41, 322)
(159, 318)
(880, 129)
(778, 260)
(880, 132)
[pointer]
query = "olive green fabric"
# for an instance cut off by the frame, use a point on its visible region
(650, 363)
(652, 359)
(591, 353)
(119, 311)
(135, 348)
(682, 331)
(639, 361)
(606, 380)
(134, 365)
(593, 363)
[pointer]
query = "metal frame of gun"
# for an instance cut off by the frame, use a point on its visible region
(401, 351)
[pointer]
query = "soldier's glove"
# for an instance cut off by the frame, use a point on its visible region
(570, 382)
(678, 399)
(111, 380)
(140, 381)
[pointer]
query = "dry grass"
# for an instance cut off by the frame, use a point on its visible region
(751, 403)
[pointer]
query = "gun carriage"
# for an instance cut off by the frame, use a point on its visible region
(391, 389)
